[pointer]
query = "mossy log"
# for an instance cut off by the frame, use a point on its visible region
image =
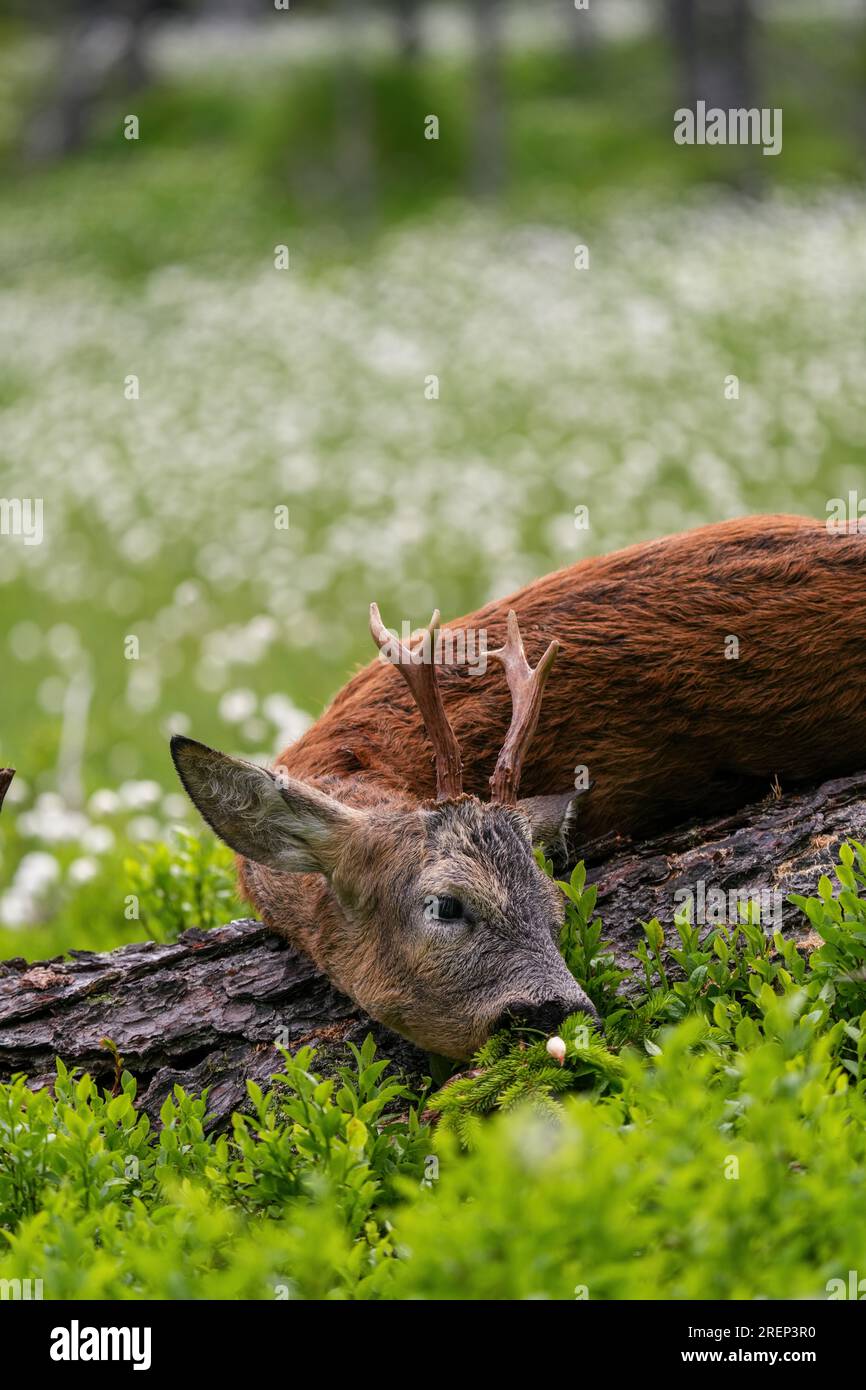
(210, 1009)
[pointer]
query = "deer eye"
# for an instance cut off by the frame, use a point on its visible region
(443, 908)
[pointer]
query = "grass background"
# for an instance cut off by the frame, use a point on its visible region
(305, 389)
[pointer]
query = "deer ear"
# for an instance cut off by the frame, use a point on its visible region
(553, 818)
(268, 817)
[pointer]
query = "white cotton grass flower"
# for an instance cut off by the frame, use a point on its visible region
(63, 642)
(254, 730)
(138, 795)
(52, 821)
(143, 828)
(25, 641)
(18, 909)
(36, 871)
(104, 802)
(556, 1048)
(390, 493)
(175, 806)
(237, 706)
(98, 839)
(23, 902)
(82, 870)
(176, 723)
(289, 721)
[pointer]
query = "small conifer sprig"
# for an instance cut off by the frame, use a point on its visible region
(514, 1068)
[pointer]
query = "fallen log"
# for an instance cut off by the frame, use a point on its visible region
(780, 846)
(210, 1009)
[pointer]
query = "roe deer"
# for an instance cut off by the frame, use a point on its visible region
(691, 672)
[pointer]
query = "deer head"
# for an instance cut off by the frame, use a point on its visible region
(433, 916)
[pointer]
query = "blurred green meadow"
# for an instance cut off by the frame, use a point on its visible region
(411, 412)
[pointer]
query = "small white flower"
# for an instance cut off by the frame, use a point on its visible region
(63, 642)
(36, 871)
(556, 1048)
(175, 806)
(237, 705)
(83, 870)
(97, 839)
(104, 802)
(50, 820)
(176, 723)
(135, 796)
(25, 641)
(17, 908)
(254, 730)
(143, 828)
(289, 721)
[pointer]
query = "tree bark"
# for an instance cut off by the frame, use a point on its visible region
(408, 26)
(102, 49)
(714, 46)
(779, 846)
(489, 116)
(208, 1010)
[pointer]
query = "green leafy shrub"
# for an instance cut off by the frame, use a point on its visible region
(190, 882)
(712, 1144)
(710, 1174)
(98, 1205)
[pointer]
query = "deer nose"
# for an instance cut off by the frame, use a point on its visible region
(546, 1014)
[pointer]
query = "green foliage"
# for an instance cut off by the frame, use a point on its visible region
(98, 1205)
(522, 1072)
(735, 977)
(181, 543)
(338, 1129)
(188, 883)
(588, 959)
(712, 1144)
(710, 1175)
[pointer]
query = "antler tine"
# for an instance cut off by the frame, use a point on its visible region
(421, 678)
(527, 688)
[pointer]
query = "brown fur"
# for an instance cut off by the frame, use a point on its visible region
(641, 691)
(641, 694)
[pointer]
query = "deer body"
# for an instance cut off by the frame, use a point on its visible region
(691, 673)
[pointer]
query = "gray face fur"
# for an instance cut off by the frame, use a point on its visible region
(436, 918)
(460, 977)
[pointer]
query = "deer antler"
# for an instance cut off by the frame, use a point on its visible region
(6, 775)
(527, 688)
(420, 676)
